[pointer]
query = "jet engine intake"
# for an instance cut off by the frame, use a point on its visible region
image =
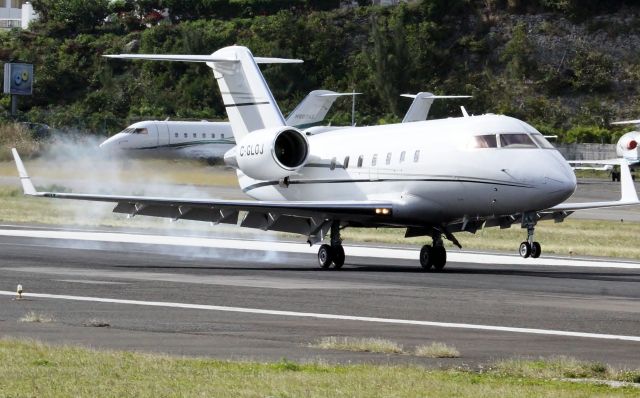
(270, 154)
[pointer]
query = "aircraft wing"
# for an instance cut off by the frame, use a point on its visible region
(309, 218)
(628, 194)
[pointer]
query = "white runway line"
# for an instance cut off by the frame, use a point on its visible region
(356, 251)
(258, 311)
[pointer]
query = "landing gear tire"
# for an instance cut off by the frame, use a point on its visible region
(438, 257)
(426, 260)
(536, 250)
(338, 256)
(525, 249)
(325, 256)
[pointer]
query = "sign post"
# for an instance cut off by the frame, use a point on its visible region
(18, 80)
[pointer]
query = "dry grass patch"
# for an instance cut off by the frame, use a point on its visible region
(436, 350)
(13, 135)
(35, 317)
(360, 344)
(97, 323)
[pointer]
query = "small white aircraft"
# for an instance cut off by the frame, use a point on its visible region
(626, 148)
(434, 178)
(203, 139)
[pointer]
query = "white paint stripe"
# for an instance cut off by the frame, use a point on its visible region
(331, 316)
(357, 251)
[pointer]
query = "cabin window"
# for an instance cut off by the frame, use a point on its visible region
(374, 160)
(360, 159)
(402, 154)
(388, 162)
(204, 135)
(484, 141)
(332, 166)
(416, 156)
(520, 140)
(185, 135)
(541, 141)
(222, 135)
(195, 135)
(346, 162)
(213, 135)
(176, 135)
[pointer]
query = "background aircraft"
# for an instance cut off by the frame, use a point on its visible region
(434, 178)
(203, 139)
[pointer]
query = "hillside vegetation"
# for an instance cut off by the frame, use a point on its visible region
(568, 67)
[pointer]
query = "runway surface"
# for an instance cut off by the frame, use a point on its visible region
(243, 299)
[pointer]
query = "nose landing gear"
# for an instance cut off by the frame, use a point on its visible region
(530, 248)
(334, 253)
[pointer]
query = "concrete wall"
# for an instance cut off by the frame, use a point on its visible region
(587, 151)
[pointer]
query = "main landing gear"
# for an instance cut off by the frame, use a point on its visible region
(334, 253)
(434, 256)
(530, 248)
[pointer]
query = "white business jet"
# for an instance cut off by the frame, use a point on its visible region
(626, 148)
(434, 178)
(203, 139)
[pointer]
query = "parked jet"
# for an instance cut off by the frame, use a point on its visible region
(435, 178)
(626, 148)
(203, 139)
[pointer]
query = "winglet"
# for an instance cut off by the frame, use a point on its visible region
(27, 185)
(627, 188)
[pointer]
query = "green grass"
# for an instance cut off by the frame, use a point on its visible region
(30, 368)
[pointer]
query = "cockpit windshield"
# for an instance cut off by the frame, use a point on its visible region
(130, 130)
(541, 141)
(508, 141)
(518, 140)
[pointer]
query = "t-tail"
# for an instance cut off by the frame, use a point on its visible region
(249, 103)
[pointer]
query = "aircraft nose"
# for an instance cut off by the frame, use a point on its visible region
(562, 180)
(111, 143)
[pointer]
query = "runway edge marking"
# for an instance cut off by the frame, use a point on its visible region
(258, 311)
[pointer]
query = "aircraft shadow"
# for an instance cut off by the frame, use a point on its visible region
(385, 268)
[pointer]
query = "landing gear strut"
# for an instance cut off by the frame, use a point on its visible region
(530, 248)
(334, 253)
(434, 256)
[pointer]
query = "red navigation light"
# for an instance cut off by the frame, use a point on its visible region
(632, 145)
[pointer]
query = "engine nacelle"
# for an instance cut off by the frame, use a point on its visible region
(270, 154)
(628, 142)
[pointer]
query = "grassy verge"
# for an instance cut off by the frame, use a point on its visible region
(35, 369)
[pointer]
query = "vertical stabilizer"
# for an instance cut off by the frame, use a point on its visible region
(246, 96)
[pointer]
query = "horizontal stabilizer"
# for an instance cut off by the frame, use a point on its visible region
(429, 95)
(200, 58)
(637, 121)
(337, 94)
